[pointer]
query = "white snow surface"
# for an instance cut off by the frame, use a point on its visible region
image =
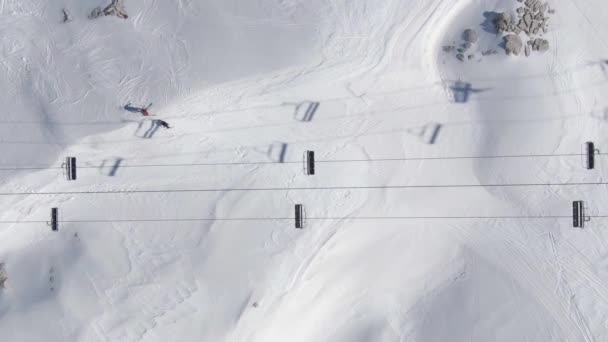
(227, 75)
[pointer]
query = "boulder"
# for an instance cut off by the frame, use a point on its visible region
(502, 22)
(513, 44)
(470, 36)
(528, 19)
(3, 276)
(544, 7)
(521, 25)
(543, 45)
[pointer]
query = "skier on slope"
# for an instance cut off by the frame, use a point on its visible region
(142, 110)
(163, 124)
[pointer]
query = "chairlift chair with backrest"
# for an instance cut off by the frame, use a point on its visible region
(69, 168)
(54, 223)
(579, 216)
(309, 163)
(300, 216)
(589, 154)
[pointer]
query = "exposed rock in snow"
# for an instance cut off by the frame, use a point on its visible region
(531, 20)
(541, 45)
(502, 22)
(470, 36)
(513, 44)
(3, 276)
(116, 7)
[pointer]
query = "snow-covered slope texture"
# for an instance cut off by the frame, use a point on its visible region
(186, 234)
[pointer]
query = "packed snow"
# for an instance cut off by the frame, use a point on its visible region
(392, 250)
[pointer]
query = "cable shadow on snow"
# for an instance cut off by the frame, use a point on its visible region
(428, 134)
(67, 123)
(437, 84)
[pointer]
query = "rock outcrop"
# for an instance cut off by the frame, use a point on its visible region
(532, 19)
(116, 7)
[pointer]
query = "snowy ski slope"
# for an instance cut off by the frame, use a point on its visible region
(187, 234)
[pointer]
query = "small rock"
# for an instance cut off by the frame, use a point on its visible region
(528, 19)
(536, 25)
(470, 36)
(521, 25)
(544, 7)
(543, 45)
(489, 52)
(521, 11)
(466, 46)
(448, 48)
(460, 57)
(470, 57)
(3, 275)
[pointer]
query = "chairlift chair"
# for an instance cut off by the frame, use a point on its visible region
(579, 216)
(69, 168)
(54, 223)
(300, 216)
(309, 163)
(589, 154)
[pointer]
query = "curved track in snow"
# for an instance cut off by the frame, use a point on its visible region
(232, 94)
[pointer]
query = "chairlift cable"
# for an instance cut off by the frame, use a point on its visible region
(332, 218)
(363, 187)
(25, 168)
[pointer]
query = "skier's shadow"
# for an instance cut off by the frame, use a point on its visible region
(150, 131)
